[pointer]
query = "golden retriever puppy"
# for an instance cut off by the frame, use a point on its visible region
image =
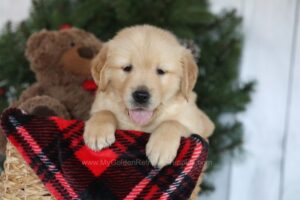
(145, 80)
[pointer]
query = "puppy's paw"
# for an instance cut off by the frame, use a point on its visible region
(98, 135)
(162, 147)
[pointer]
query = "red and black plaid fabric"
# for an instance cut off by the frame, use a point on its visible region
(55, 150)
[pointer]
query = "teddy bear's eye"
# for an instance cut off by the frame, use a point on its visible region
(127, 68)
(72, 44)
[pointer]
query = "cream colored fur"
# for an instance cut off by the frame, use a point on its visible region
(176, 114)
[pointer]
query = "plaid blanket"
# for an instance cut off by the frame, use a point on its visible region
(55, 150)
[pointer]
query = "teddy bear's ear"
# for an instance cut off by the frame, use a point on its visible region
(34, 42)
(38, 48)
(98, 68)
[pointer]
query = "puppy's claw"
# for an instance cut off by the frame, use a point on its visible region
(161, 152)
(98, 135)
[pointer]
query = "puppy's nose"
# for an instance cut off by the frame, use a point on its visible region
(141, 96)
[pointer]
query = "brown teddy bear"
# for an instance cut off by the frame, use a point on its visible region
(61, 63)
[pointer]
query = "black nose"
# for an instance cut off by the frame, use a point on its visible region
(141, 96)
(85, 52)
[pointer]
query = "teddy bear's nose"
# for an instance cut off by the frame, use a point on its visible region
(85, 52)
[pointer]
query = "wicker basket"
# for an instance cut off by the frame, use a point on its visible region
(18, 181)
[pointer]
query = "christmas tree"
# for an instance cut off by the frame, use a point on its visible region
(220, 93)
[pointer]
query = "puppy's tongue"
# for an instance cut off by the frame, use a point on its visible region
(140, 117)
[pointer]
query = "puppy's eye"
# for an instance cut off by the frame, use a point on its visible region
(72, 44)
(160, 71)
(127, 68)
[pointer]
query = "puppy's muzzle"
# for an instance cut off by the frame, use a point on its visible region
(141, 96)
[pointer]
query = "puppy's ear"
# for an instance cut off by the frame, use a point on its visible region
(190, 73)
(98, 68)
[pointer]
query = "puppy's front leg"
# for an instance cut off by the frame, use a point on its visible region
(99, 131)
(164, 142)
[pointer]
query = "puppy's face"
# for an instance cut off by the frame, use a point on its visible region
(146, 67)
